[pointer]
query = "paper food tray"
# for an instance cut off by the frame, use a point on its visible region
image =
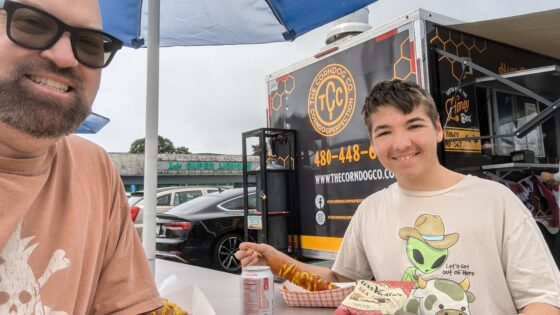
(187, 297)
(297, 297)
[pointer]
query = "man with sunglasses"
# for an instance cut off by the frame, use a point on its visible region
(67, 245)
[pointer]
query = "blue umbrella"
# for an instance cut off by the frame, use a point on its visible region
(93, 123)
(223, 22)
(205, 22)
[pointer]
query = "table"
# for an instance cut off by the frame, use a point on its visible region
(223, 290)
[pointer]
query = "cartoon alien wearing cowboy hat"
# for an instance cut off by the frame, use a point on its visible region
(426, 245)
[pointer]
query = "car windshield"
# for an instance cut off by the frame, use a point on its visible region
(132, 200)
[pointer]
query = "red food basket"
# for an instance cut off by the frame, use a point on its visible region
(328, 298)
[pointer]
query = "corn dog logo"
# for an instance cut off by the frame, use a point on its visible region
(332, 100)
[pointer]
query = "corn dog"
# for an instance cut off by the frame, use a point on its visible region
(291, 272)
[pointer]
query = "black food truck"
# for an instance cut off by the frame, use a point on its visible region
(498, 103)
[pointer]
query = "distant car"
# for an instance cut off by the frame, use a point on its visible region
(205, 231)
(167, 198)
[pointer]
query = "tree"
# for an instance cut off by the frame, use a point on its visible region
(137, 146)
(164, 146)
(256, 149)
(182, 150)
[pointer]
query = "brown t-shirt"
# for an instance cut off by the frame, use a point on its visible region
(67, 243)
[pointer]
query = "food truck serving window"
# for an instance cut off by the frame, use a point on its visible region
(512, 111)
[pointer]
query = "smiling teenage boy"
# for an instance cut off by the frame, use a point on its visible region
(436, 227)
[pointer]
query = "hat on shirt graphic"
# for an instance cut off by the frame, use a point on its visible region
(430, 230)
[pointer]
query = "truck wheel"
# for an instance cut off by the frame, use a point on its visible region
(224, 252)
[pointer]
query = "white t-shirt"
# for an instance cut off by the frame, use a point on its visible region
(476, 230)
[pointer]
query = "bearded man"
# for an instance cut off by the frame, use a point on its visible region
(67, 244)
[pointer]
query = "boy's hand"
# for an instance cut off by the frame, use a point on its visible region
(250, 254)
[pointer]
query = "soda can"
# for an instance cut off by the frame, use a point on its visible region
(257, 289)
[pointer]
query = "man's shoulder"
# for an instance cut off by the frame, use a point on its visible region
(77, 143)
(83, 150)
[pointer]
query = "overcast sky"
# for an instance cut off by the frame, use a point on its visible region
(210, 95)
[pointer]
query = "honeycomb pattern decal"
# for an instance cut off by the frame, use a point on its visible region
(285, 86)
(405, 67)
(287, 161)
(458, 44)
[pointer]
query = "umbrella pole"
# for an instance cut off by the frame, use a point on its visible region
(151, 143)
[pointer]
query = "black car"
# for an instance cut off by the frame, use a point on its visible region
(204, 231)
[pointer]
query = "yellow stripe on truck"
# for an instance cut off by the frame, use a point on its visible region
(321, 242)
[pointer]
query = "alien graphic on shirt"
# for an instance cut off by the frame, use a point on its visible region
(427, 245)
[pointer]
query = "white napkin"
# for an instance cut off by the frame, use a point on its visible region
(187, 296)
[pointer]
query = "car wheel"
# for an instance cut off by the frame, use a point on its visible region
(224, 252)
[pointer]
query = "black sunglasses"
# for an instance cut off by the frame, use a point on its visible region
(32, 28)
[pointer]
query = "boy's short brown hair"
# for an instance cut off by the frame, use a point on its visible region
(401, 94)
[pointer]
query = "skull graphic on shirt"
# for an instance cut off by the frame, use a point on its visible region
(19, 289)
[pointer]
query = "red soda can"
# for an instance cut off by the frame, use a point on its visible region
(257, 289)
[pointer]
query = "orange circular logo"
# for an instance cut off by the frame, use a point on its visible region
(331, 100)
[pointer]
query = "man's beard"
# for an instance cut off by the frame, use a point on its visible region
(39, 115)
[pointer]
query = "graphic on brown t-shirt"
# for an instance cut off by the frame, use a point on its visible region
(19, 289)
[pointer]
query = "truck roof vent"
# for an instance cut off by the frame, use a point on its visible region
(350, 25)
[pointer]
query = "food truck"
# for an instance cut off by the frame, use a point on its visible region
(498, 103)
